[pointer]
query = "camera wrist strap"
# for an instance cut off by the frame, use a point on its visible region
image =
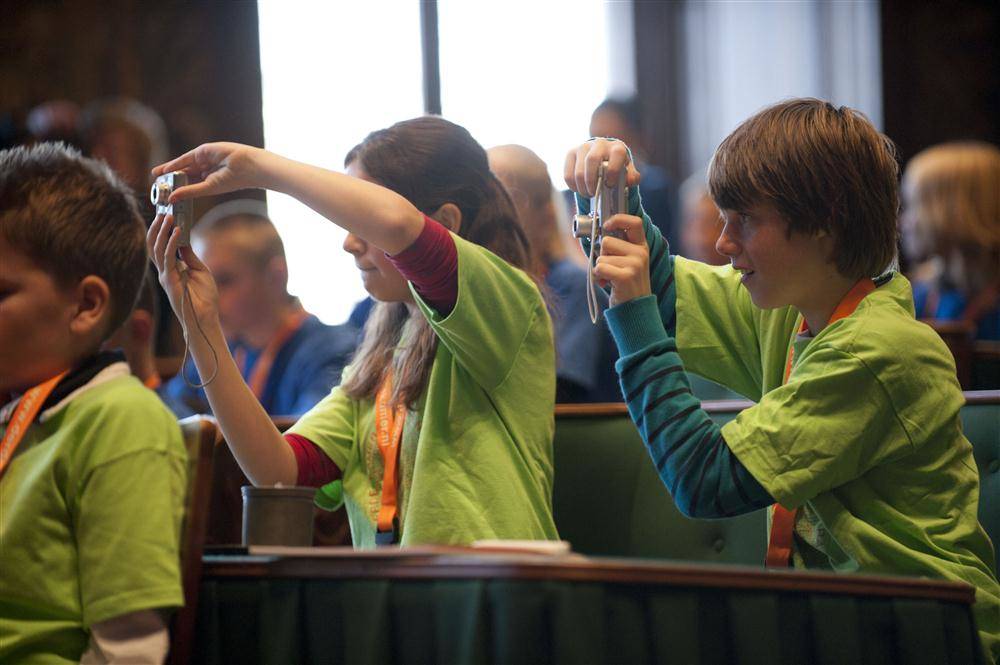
(595, 212)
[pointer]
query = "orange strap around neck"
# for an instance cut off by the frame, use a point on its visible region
(779, 546)
(388, 434)
(153, 381)
(262, 368)
(29, 406)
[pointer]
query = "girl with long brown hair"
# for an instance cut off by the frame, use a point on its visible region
(442, 428)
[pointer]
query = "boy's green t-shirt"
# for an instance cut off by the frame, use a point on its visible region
(90, 518)
(476, 451)
(865, 438)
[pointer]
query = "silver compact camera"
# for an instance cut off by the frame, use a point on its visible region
(610, 199)
(183, 211)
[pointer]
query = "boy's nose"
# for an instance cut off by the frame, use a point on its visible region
(725, 245)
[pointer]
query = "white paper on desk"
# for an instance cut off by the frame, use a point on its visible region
(343, 552)
(484, 547)
(553, 547)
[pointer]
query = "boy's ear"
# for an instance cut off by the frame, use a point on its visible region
(93, 304)
(449, 215)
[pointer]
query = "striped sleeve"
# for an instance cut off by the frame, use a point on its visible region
(690, 454)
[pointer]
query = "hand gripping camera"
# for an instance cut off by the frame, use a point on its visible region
(183, 211)
(611, 198)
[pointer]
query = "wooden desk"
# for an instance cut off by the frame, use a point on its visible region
(454, 606)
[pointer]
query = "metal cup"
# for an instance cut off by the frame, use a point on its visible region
(278, 516)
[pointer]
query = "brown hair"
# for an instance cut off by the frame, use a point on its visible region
(73, 217)
(824, 169)
(952, 194)
(430, 162)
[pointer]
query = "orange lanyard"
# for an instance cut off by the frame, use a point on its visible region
(779, 546)
(153, 381)
(29, 406)
(262, 368)
(388, 433)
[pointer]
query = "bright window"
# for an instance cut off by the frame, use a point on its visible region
(331, 73)
(530, 72)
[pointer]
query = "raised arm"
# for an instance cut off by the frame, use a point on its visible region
(687, 447)
(256, 443)
(370, 211)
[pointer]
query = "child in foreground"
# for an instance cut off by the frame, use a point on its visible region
(93, 468)
(442, 427)
(855, 439)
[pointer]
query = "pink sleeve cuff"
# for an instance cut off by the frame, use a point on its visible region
(431, 264)
(315, 467)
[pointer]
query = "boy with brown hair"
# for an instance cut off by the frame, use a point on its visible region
(855, 439)
(92, 465)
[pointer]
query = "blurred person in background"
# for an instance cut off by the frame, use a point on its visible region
(620, 119)
(950, 227)
(132, 138)
(701, 222)
(585, 352)
(56, 120)
(129, 136)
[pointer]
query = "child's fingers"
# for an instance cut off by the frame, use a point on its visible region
(620, 247)
(610, 272)
(634, 260)
(191, 259)
(618, 159)
(569, 169)
(170, 255)
(580, 169)
(186, 161)
(151, 235)
(160, 244)
(632, 175)
(203, 188)
(592, 164)
(627, 227)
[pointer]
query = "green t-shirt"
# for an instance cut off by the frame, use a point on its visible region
(476, 451)
(865, 438)
(90, 518)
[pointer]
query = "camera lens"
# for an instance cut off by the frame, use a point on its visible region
(582, 226)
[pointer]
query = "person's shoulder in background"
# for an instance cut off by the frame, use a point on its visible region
(585, 351)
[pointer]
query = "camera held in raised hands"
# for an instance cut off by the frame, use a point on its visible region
(610, 199)
(183, 211)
